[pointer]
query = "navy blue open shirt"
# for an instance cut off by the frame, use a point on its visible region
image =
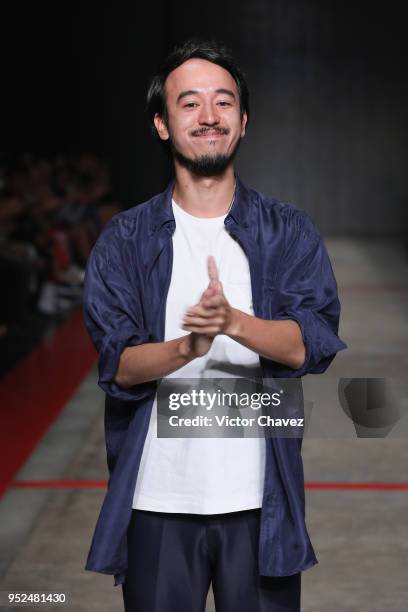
(126, 285)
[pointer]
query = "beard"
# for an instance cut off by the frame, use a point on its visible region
(205, 165)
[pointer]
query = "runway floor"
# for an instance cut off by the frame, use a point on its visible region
(54, 484)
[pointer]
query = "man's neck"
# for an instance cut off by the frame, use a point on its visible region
(204, 196)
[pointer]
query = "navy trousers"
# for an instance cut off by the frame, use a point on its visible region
(173, 558)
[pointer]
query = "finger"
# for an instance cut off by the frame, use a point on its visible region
(205, 299)
(212, 269)
(198, 311)
(215, 301)
(215, 282)
(203, 331)
(203, 322)
(209, 292)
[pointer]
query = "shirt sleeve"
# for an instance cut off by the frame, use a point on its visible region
(113, 313)
(307, 293)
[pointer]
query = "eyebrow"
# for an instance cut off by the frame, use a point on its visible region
(191, 92)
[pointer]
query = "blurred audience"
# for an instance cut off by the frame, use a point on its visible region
(51, 213)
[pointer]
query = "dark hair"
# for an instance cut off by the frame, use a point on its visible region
(213, 51)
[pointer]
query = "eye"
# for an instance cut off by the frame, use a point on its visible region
(190, 105)
(224, 103)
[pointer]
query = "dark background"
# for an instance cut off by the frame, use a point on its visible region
(328, 87)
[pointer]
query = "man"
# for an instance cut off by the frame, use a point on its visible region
(209, 278)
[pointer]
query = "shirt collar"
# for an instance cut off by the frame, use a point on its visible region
(162, 211)
(240, 208)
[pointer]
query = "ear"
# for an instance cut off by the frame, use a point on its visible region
(243, 124)
(161, 127)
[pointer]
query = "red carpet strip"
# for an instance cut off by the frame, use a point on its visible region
(34, 393)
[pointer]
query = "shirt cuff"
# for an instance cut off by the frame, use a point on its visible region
(321, 343)
(108, 365)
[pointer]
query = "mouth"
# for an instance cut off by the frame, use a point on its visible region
(210, 134)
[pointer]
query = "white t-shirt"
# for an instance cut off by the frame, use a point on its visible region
(204, 475)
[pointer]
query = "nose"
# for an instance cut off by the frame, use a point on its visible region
(208, 114)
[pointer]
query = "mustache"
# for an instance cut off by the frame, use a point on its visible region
(201, 131)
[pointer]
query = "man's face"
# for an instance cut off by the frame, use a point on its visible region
(204, 124)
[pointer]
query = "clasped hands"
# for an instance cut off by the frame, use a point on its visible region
(213, 314)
